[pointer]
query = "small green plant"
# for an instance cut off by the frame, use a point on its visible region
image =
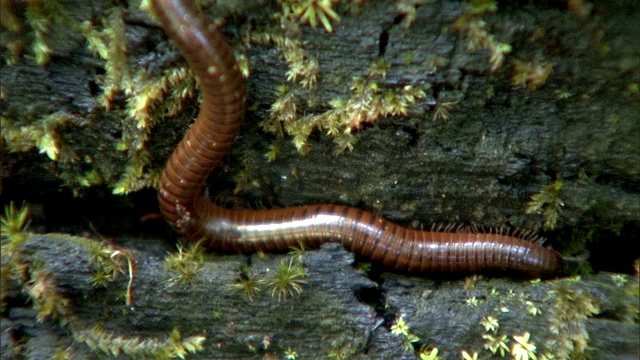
(173, 347)
(523, 348)
(110, 262)
(186, 263)
(290, 354)
(247, 284)
(568, 315)
(402, 328)
(547, 203)
(310, 11)
(14, 223)
(288, 279)
(429, 354)
(490, 324)
(466, 356)
(46, 299)
(496, 344)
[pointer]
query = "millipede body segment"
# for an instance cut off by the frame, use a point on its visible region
(212, 135)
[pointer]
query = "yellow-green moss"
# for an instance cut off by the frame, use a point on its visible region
(288, 279)
(39, 284)
(186, 263)
(174, 346)
(476, 34)
(310, 12)
(149, 97)
(547, 203)
(570, 309)
(43, 135)
(247, 283)
(368, 103)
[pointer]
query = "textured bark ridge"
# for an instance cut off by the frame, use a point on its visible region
(339, 312)
(483, 145)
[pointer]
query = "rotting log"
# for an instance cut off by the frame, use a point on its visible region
(338, 312)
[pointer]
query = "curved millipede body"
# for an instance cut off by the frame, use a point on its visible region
(210, 138)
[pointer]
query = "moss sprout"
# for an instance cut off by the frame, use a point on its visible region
(40, 15)
(110, 262)
(290, 354)
(400, 327)
(490, 324)
(186, 263)
(288, 279)
(14, 224)
(303, 68)
(547, 203)
(47, 301)
(476, 34)
(408, 10)
(523, 348)
(429, 354)
(496, 343)
(311, 11)
(247, 284)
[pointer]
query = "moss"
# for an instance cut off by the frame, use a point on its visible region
(288, 279)
(248, 284)
(401, 328)
(174, 346)
(476, 34)
(149, 97)
(43, 135)
(547, 203)
(311, 11)
(569, 312)
(40, 18)
(47, 299)
(368, 103)
(532, 74)
(303, 69)
(186, 263)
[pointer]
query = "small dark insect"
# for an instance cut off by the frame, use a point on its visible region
(211, 137)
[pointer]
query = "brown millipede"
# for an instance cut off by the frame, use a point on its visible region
(212, 135)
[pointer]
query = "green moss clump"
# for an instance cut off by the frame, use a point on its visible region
(172, 347)
(570, 310)
(547, 203)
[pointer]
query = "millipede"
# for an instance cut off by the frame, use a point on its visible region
(204, 146)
